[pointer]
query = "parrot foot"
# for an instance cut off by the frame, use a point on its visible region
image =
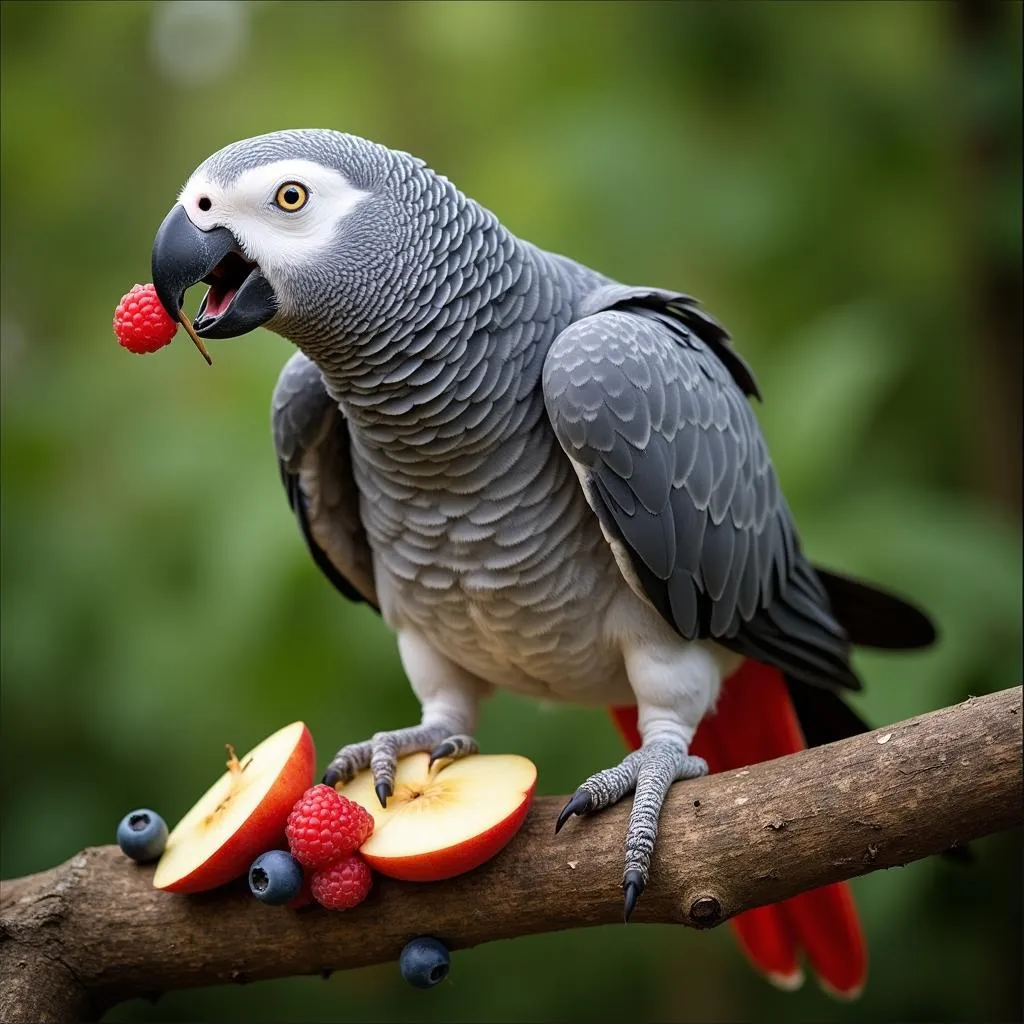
(381, 754)
(647, 772)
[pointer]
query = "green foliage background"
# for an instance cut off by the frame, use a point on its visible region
(800, 168)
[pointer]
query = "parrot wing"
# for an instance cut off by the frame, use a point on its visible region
(649, 402)
(313, 455)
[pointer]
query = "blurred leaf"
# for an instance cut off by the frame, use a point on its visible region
(821, 392)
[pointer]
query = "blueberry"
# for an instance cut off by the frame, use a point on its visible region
(424, 962)
(275, 877)
(142, 835)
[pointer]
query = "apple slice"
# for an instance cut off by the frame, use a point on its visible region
(447, 821)
(241, 815)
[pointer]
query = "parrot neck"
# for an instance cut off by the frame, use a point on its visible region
(459, 373)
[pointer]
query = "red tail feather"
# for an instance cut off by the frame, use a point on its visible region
(754, 721)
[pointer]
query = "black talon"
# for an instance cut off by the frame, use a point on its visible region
(331, 776)
(579, 803)
(633, 884)
(444, 749)
(383, 791)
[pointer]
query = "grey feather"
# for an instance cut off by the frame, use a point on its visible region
(456, 367)
(715, 547)
(312, 444)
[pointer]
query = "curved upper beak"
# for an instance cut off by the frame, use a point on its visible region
(184, 255)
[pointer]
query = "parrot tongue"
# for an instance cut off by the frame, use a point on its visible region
(224, 280)
(217, 301)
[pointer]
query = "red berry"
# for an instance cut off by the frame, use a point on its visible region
(140, 321)
(324, 826)
(344, 884)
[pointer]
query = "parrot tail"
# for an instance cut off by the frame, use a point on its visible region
(755, 721)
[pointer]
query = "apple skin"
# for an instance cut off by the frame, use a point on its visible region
(263, 830)
(455, 860)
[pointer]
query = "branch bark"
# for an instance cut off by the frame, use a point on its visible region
(92, 932)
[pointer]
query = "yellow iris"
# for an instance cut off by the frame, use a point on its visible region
(291, 196)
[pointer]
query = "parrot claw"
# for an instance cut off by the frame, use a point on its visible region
(347, 763)
(441, 751)
(579, 803)
(383, 791)
(453, 747)
(633, 884)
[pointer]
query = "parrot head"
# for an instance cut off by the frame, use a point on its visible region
(291, 230)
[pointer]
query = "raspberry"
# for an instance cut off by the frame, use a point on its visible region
(324, 826)
(344, 884)
(141, 323)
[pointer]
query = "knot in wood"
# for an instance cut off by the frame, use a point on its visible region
(705, 911)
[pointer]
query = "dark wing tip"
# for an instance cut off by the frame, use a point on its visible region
(873, 617)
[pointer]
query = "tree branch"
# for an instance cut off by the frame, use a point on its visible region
(80, 937)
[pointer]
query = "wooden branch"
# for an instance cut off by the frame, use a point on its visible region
(80, 937)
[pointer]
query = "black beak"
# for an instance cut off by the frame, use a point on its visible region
(183, 255)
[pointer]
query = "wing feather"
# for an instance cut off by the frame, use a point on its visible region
(650, 402)
(313, 455)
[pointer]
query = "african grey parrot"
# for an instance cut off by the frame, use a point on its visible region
(544, 480)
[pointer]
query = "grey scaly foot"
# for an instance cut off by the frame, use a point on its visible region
(381, 753)
(602, 789)
(648, 772)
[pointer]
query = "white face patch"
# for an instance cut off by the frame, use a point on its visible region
(274, 238)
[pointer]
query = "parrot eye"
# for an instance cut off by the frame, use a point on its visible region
(291, 196)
